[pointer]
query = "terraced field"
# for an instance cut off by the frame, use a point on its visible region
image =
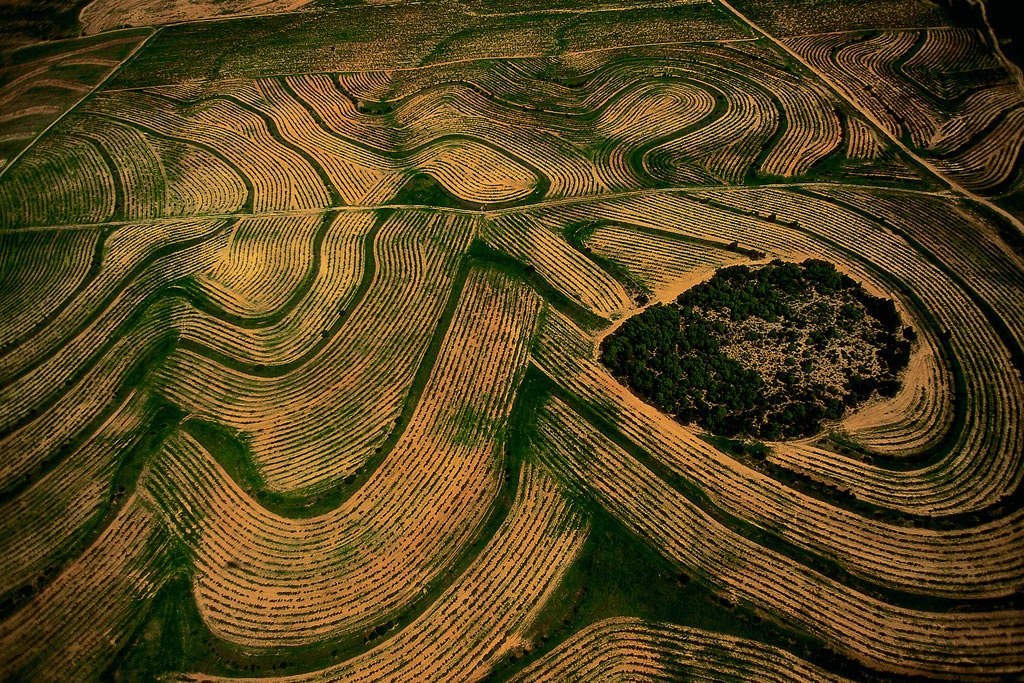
(301, 310)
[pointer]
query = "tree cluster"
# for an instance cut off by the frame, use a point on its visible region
(685, 357)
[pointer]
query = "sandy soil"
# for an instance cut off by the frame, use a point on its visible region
(104, 15)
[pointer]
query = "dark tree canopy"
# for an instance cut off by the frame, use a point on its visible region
(769, 352)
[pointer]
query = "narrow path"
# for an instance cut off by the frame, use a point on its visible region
(471, 60)
(562, 201)
(583, 10)
(839, 91)
(75, 106)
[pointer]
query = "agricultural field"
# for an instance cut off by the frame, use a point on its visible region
(536, 341)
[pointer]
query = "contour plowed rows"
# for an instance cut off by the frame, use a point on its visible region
(129, 256)
(104, 15)
(983, 464)
(265, 262)
(212, 283)
(878, 634)
(312, 425)
(94, 605)
(264, 580)
(659, 262)
(714, 115)
(977, 562)
(47, 405)
(672, 215)
(328, 276)
(961, 239)
(40, 270)
(40, 190)
(561, 265)
(941, 87)
(39, 528)
(632, 649)
(487, 609)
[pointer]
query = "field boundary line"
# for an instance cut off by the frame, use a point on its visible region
(77, 104)
(453, 62)
(841, 93)
(561, 201)
(666, 4)
(210, 20)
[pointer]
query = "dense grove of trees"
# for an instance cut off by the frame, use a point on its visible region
(676, 355)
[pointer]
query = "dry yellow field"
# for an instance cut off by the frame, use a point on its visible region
(304, 316)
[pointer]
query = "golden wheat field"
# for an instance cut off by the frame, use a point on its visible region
(463, 340)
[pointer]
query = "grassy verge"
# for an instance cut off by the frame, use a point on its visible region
(583, 317)
(578, 234)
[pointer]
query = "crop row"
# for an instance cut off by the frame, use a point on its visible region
(95, 605)
(518, 151)
(546, 250)
(124, 255)
(105, 15)
(992, 163)
(675, 214)
(63, 180)
(918, 417)
(959, 51)
(329, 273)
(965, 242)
(976, 563)
(631, 649)
(281, 177)
(264, 263)
(40, 365)
(485, 613)
(263, 580)
(753, 218)
(881, 635)
(43, 268)
(40, 526)
(51, 402)
(314, 422)
(941, 87)
(661, 263)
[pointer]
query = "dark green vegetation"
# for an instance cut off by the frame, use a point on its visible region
(619, 573)
(350, 38)
(769, 352)
(30, 20)
(757, 353)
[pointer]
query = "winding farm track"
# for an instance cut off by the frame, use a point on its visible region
(301, 376)
(96, 88)
(867, 114)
